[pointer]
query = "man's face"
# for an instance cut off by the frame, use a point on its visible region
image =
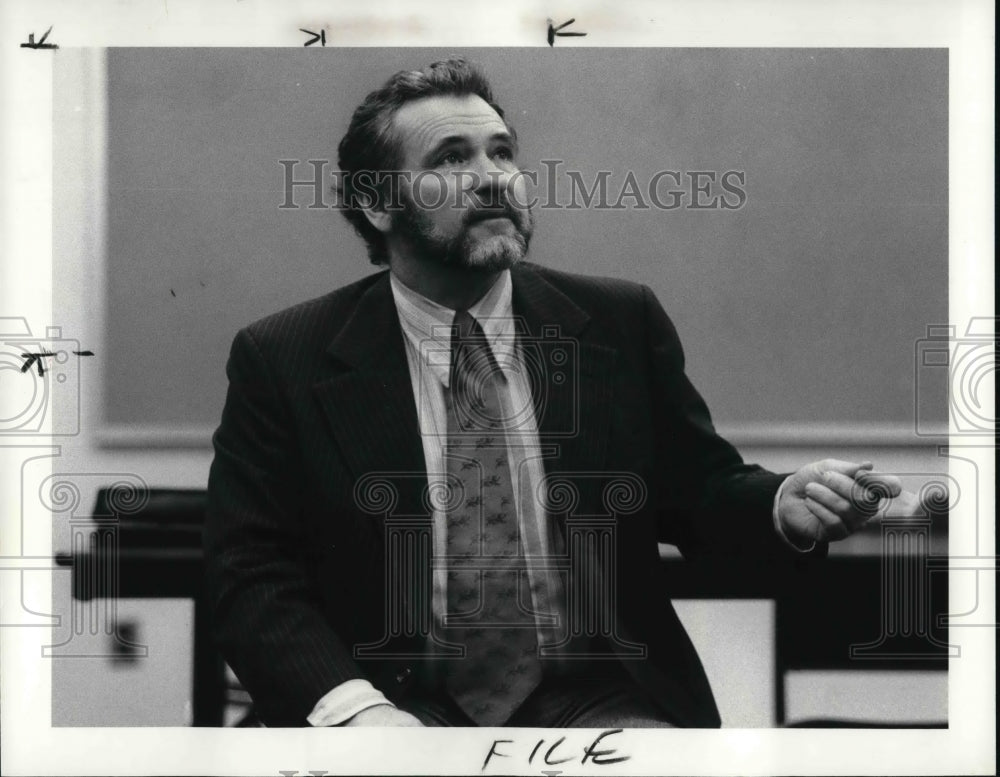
(464, 203)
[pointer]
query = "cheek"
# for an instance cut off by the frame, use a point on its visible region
(432, 192)
(517, 192)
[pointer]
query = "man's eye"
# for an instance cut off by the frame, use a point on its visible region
(451, 158)
(505, 154)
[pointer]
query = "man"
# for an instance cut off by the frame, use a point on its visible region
(501, 409)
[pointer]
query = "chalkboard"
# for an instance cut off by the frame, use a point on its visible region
(803, 304)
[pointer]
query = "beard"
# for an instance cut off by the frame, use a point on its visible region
(487, 253)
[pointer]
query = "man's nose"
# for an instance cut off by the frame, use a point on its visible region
(486, 173)
(488, 179)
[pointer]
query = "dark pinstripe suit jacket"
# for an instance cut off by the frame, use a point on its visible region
(320, 397)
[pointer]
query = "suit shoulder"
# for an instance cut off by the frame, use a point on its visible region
(590, 290)
(312, 317)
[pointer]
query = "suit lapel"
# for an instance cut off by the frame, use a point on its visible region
(571, 376)
(370, 406)
(371, 409)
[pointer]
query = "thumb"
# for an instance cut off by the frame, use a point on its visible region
(884, 486)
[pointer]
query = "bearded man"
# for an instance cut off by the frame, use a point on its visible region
(389, 537)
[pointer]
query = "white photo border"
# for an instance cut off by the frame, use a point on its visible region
(32, 746)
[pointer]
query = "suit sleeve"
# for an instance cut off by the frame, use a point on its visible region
(709, 500)
(268, 620)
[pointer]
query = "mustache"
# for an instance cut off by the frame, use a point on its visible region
(496, 207)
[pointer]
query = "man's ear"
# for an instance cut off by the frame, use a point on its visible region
(378, 217)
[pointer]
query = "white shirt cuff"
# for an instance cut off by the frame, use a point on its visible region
(777, 522)
(344, 702)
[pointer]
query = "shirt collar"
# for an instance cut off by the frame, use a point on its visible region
(427, 325)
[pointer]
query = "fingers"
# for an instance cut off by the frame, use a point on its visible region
(833, 527)
(905, 505)
(856, 483)
(886, 486)
(863, 496)
(844, 495)
(829, 498)
(838, 509)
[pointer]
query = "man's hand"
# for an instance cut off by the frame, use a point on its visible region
(383, 715)
(830, 499)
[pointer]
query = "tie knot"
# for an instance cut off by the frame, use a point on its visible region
(470, 351)
(467, 328)
(475, 375)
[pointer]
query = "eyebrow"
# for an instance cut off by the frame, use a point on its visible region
(462, 140)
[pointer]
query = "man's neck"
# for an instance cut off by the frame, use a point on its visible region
(456, 288)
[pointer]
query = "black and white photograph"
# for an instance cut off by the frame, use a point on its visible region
(551, 390)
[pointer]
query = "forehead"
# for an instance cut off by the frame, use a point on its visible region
(422, 124)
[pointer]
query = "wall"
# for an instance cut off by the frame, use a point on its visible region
(802, 307)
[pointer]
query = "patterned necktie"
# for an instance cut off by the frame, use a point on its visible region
(489, 602)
